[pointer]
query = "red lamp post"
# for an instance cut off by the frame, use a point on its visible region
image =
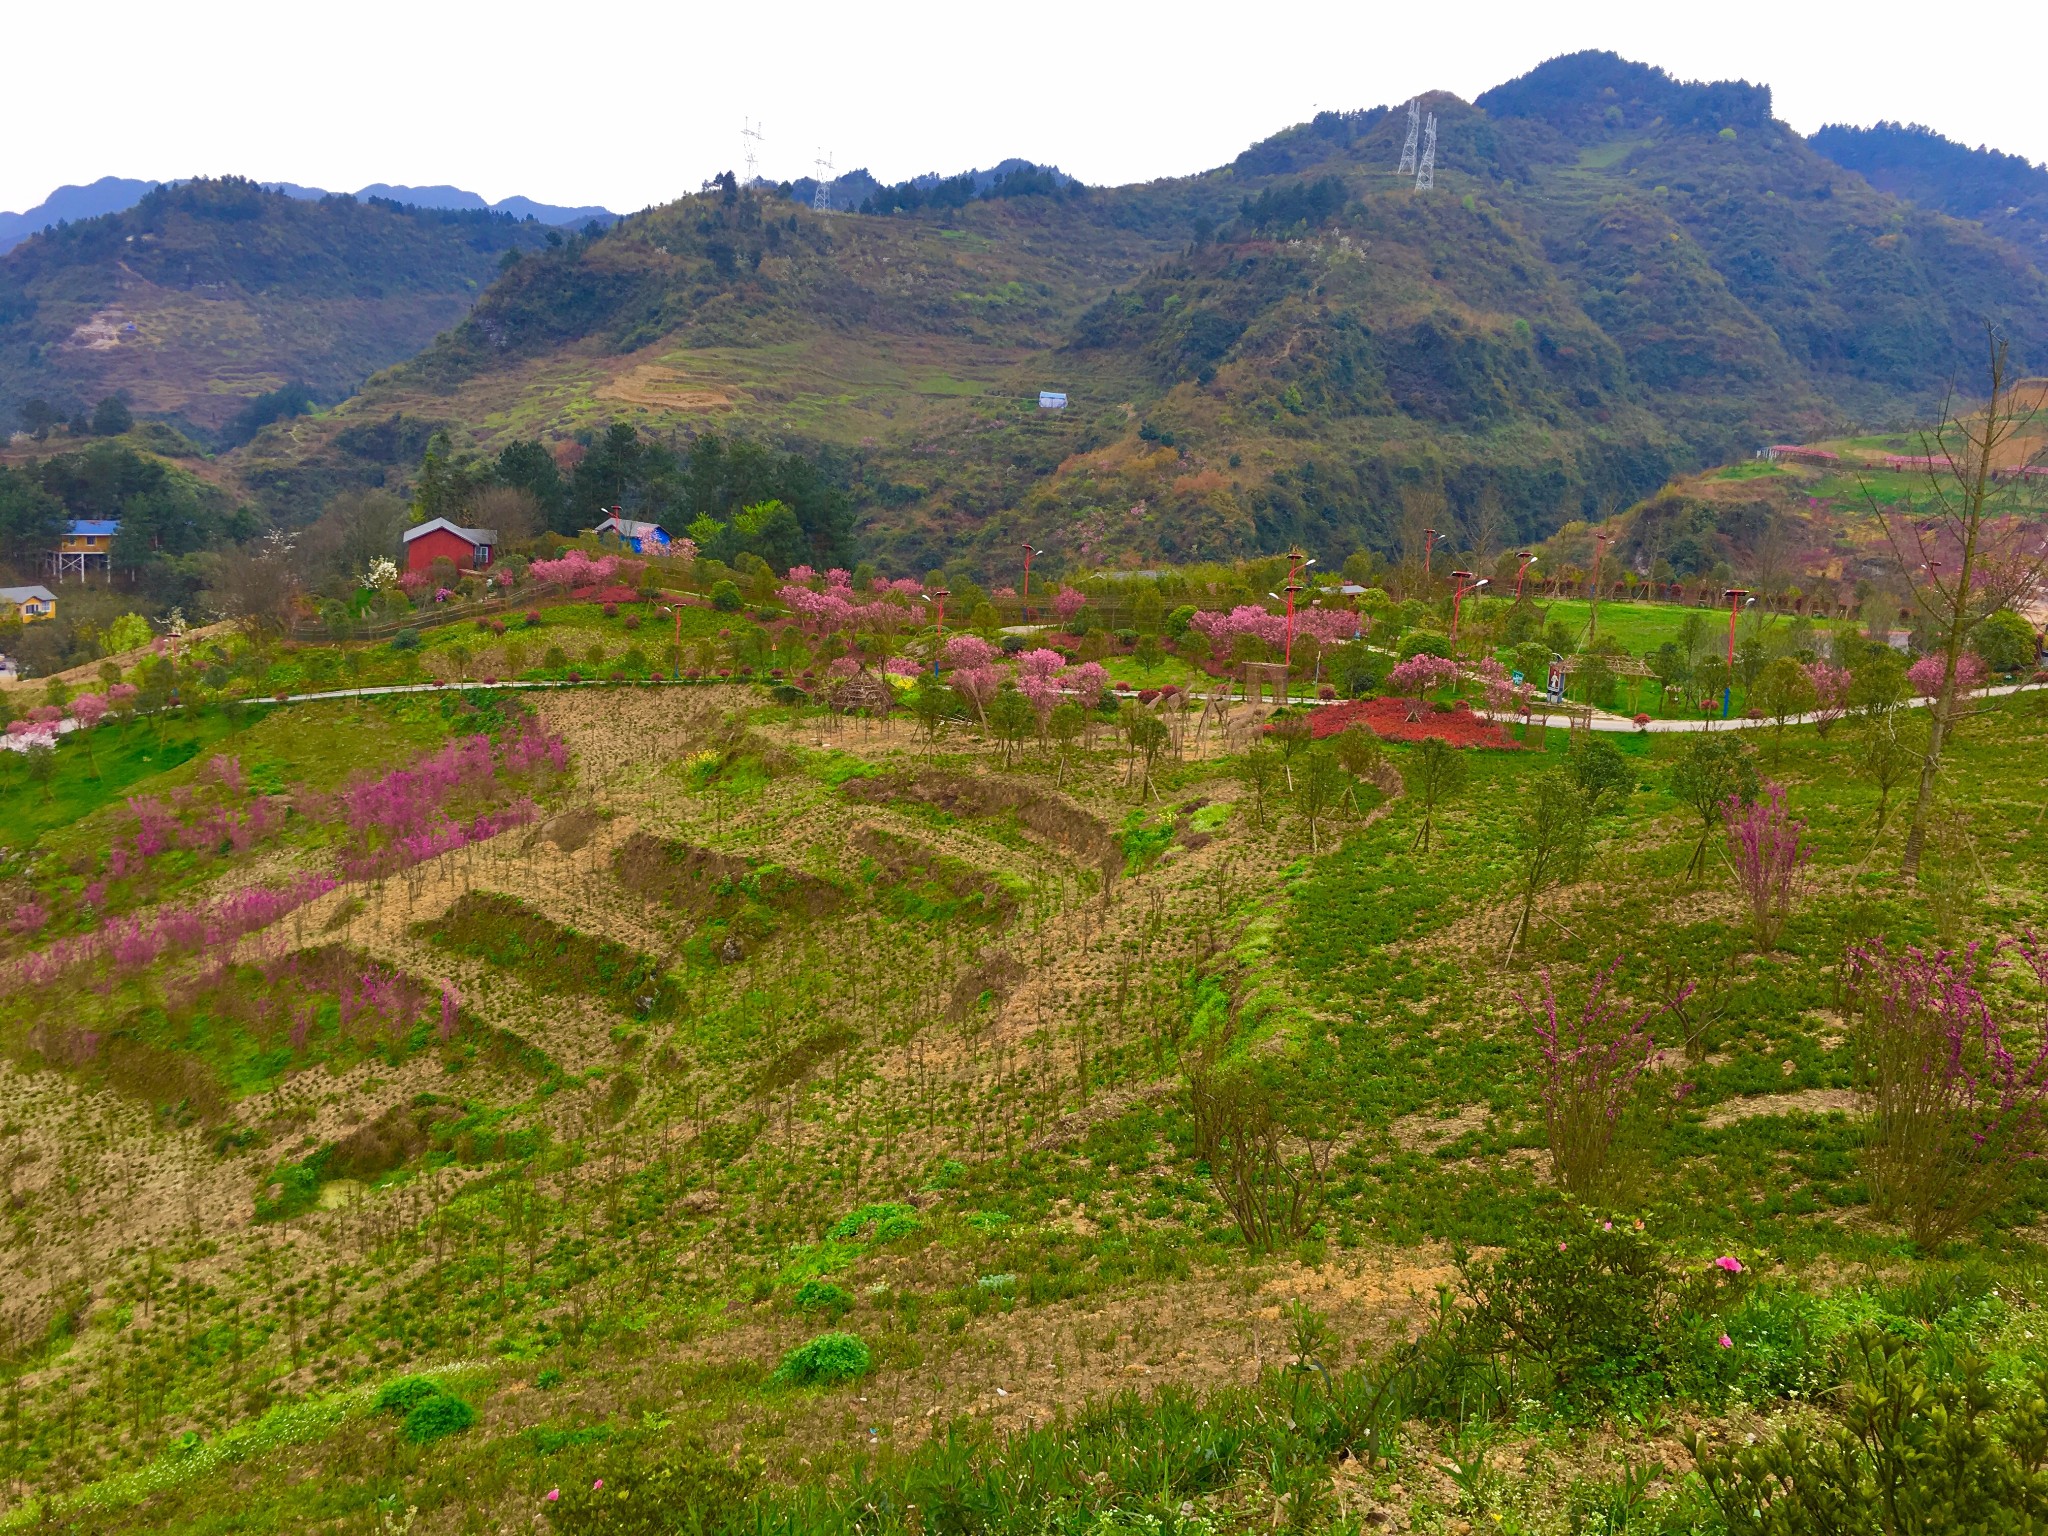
(1527, 560)
(1028, 553)
(1292, 588)
(1429, 537)
(1458, 597)
(1593, 617)
(1735, 595)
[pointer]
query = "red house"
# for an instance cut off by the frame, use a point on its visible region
(467, 547)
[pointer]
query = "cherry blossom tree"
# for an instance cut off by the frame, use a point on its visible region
(1417, 675)
(1925, 675)
(1830, 693)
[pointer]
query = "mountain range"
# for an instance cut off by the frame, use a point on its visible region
(115, 194)
(1616, 277)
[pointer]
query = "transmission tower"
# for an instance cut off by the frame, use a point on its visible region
(820, 202)
(1425, 174)
(750, 136)
(1408, 149)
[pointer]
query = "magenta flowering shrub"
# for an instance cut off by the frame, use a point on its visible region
(127, 944)
(1767, 848)
(1955, 1069)
(445, 800)
(1590, 1066)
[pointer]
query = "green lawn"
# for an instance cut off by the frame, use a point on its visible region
(1642, 627)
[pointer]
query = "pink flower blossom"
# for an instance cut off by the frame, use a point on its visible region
(968, 651)
(1726, 1342)
(1924, 676)
(597, 1485)
(552, 1494)
(1732, 1265)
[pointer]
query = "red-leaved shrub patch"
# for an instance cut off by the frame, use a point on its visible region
(1389, 718)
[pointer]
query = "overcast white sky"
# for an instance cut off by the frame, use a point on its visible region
(630, 104)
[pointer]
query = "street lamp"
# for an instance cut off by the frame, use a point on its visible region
(1429, 536)
(1736, 603)
(940, 594)
(1028, 553)
(1527, 560)
(1292, 588)
(1458, 597)
(676, 672)
(1593, 618)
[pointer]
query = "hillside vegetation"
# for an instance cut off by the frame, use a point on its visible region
(638, 1108)
(206, 294)
(1618, 277)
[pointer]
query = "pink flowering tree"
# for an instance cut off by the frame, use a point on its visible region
(1417, 675)
(576, 570)
(1767, 848)
(1591, 1062)
(1497, 689)
(89, 709)
(964, 651)
(1087, 682)
(1222, 629)
(1830, 693)
(978, 685)
(1067, 603)
(1924, 676)
(1956, 1080)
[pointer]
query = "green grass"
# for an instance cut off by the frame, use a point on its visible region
(1642, 627)
(122, 758)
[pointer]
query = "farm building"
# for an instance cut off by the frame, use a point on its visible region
(86, 544)
(431, 541)
(29, 604)
(641, 538)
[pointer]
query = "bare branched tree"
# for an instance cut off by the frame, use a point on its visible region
(1966, 545)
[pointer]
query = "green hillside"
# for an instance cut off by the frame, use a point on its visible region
(207, 294)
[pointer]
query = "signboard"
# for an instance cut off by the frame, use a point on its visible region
(1052, 399)
(1517, 679)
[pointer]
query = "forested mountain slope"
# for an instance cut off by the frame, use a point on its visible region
(1616, 277)
(211, 292)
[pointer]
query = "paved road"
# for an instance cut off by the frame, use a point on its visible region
(1615, 723)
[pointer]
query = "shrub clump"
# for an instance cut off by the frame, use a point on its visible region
(823, 1296)
(430, 1412)
(826, 1360)
(437, 1418)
